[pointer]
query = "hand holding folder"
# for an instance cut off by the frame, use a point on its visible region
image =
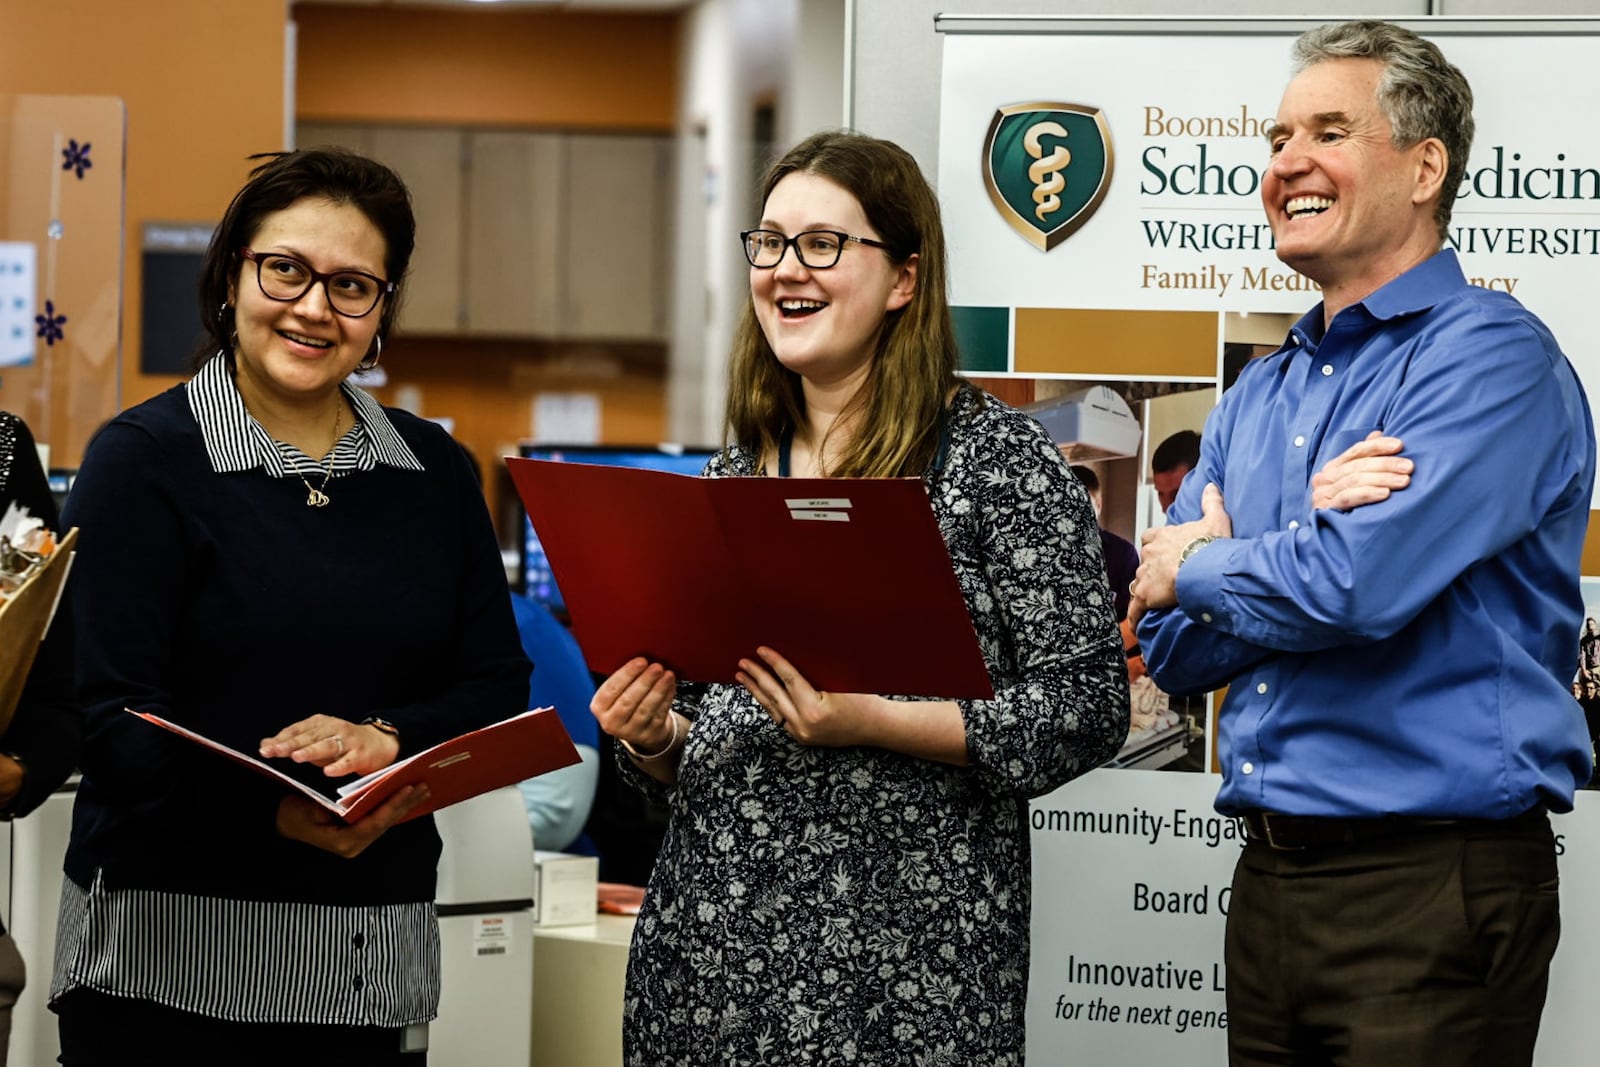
(501, 754)
(848, 578)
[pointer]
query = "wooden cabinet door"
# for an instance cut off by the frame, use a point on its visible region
(619, 200)
(514, 234)
(428, 160)
(529, 234)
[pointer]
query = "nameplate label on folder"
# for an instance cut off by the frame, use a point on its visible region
(819, 509)
(807, 503)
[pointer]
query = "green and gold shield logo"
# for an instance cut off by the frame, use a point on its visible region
(1047, 167)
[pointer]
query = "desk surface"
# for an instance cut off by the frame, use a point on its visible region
(606, 929)
(578, 977)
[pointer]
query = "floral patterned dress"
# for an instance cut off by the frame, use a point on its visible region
(836, 906)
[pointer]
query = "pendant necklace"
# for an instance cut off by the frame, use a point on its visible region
(316, 498)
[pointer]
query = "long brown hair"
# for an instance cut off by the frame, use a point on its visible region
(898, 409)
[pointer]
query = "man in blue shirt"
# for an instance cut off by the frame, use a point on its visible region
(1379, 557)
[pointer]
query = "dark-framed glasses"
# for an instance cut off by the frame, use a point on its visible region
(352, 293)
(816, 249)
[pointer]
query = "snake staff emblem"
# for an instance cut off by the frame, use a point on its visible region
(1045, 171)
(1043, 191)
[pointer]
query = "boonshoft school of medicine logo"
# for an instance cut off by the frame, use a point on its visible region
(1047, 167)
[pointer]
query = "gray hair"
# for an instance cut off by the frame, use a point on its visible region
(1421, 93)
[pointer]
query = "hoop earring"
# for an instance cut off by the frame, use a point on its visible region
(377, 339)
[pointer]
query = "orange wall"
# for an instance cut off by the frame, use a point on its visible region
(487, 388)
(204, 88)
(487, 67)
(203, 82)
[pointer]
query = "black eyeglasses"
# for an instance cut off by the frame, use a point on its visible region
(352, 293)
(816, 249)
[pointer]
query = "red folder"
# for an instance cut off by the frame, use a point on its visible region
(501, 754)
(847, 578)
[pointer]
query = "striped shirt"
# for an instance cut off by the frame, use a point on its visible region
(251, 961)
(246, 960)
(235, 441)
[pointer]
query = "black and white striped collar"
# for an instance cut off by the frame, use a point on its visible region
(235, 441)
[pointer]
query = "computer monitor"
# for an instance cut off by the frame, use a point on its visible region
(534, 576)
(61, 479)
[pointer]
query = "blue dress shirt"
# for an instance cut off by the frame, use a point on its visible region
(1413, 656)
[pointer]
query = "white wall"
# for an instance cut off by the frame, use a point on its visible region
(813, 94)
(737, 54)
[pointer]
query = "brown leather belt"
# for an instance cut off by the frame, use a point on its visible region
(1291, 833)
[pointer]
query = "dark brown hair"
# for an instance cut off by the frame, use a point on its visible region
(282, 180)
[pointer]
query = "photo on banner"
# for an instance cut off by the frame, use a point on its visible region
(1586, 683)
(1108, 429)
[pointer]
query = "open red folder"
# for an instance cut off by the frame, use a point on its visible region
(501, 754)
(847, 578)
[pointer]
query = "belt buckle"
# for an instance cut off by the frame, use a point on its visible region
(1272, 842)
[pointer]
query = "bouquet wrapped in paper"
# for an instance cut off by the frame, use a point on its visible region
(33, 572)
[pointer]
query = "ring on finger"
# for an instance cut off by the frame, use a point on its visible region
(338, 743)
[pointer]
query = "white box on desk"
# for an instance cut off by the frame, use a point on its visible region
(564, 888)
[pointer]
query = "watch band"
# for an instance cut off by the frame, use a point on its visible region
(1194, 546)
(381, 725)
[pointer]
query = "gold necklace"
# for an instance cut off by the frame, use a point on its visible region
(316, 498)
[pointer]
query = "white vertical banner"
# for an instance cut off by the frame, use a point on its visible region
(1105, 175)
(1178, 225)
(18, 303)
(1130, 892)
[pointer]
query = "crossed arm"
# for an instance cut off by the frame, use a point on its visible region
(1365, 473)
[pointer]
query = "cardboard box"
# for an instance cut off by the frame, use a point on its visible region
(564, 888)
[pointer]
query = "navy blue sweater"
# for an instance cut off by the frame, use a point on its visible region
(223, 602)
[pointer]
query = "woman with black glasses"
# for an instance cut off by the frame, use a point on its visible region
(268, 557)
(845, 878)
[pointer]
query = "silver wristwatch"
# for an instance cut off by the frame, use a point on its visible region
(1194, 546)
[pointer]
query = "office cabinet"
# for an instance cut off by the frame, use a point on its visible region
(515, 234)
(429, 160)
(559, 236)
(618, 211)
